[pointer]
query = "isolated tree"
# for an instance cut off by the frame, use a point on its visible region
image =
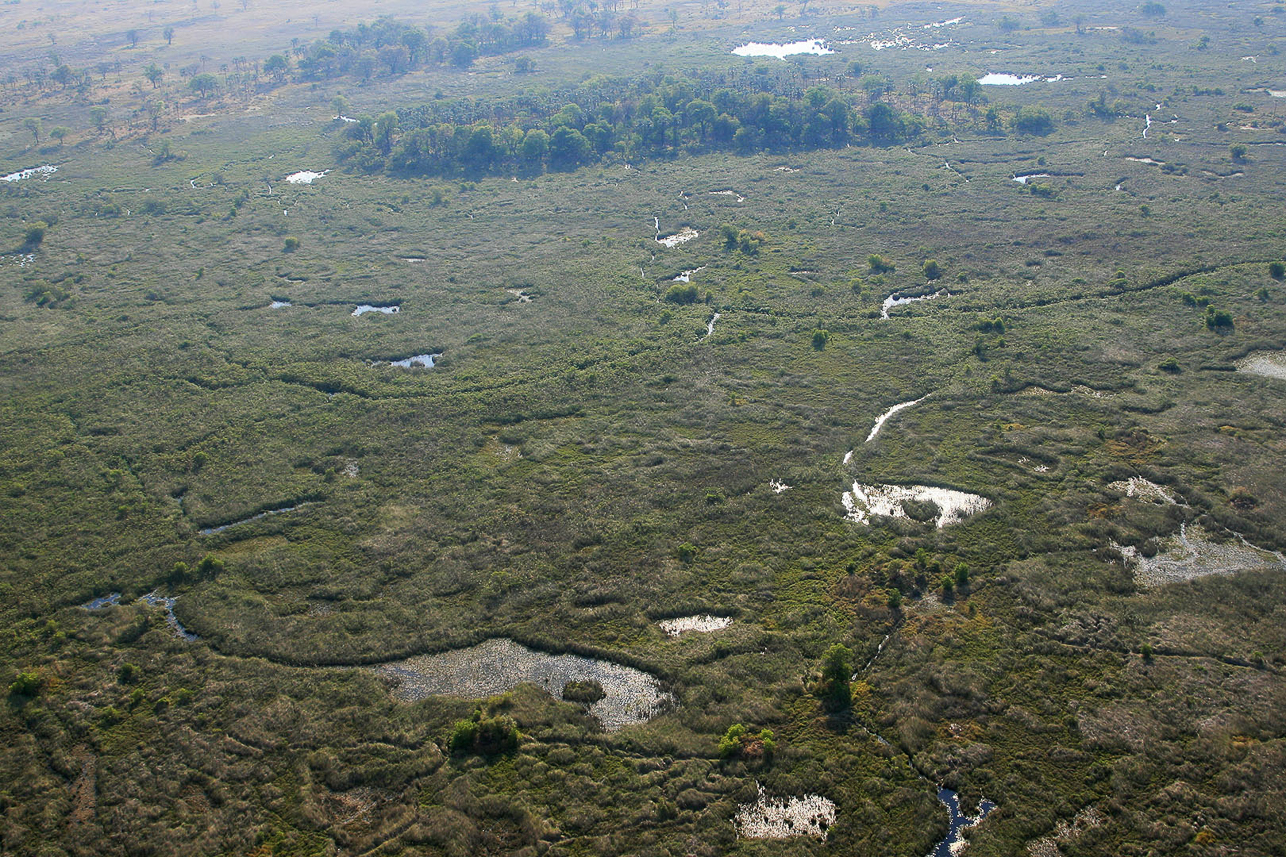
(1152, 10)
(204, 83)
(837, 671)
(1277, 270)
(932, 271)
(98, 115)
(34, 235)
(168, 32)
(35, 126)
(154, 73)
(780, 10)
(276, 65)
(1034, 121)
(339, 104)
(58, 132)
(133, 36)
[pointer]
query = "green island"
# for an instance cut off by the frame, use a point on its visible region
(629, 427)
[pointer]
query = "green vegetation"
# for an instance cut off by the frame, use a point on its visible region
(192, 412)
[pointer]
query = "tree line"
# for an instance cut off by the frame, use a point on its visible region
(654, 116)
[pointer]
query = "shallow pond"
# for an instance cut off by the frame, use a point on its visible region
(1191, 553)
(891, 301)
(1141, 489)
(684, 235)
(815, 47)
(102, 602)
(168, 603)
(880, 420)
(46, 170)
(305, 176)
(498, 665)
(1269, 365)
(954, 842)
(1006, 79)
(701, 624)
(209, 531)
(710, 325)
(419, 360)
(387, 310)
(867, 501)
(781, 818)
(278, 304)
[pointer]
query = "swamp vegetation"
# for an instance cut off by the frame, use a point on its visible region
(342, 354)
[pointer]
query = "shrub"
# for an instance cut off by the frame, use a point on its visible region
(1170, 365)
(27, 684)
(1277, 270)
(880, 265)
(820, 338)
(932, 270)
(485, 736)
(34, 235)
(1238, 152)
(1033, 121)
(681, 294)
(837, 669)
(585, 692)
(738, 741)
(1218, 320)
(291, 245)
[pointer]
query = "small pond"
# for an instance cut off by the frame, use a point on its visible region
(867, 501)
(1269, 365)
(418, 361)
(892, 301)
(102, 602)
(1006, 79)
(782, 818)
(632, 696)
(46, 170)
(278, 304)
(683, 236)
(815, 47)
(168, 603)
(1192, 553)
(954, 842)
(387, 310)
(305, 176)
(703, 624)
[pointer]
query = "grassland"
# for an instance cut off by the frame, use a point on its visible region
(579, 466)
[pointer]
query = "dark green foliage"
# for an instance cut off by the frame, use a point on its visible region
(28, 683)
(681, 293)
(836, 670)
(1034, 121)
(585, 692)
(738, 742)
(34, 234)
(931, 269)
(820, 338)
(1152, 9)
(483, 735)
(1219, 320)
(879, 265)
(291, 244)
(1277, 270)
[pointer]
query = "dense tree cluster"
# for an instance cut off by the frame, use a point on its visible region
(391, 47)
(650, 117)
